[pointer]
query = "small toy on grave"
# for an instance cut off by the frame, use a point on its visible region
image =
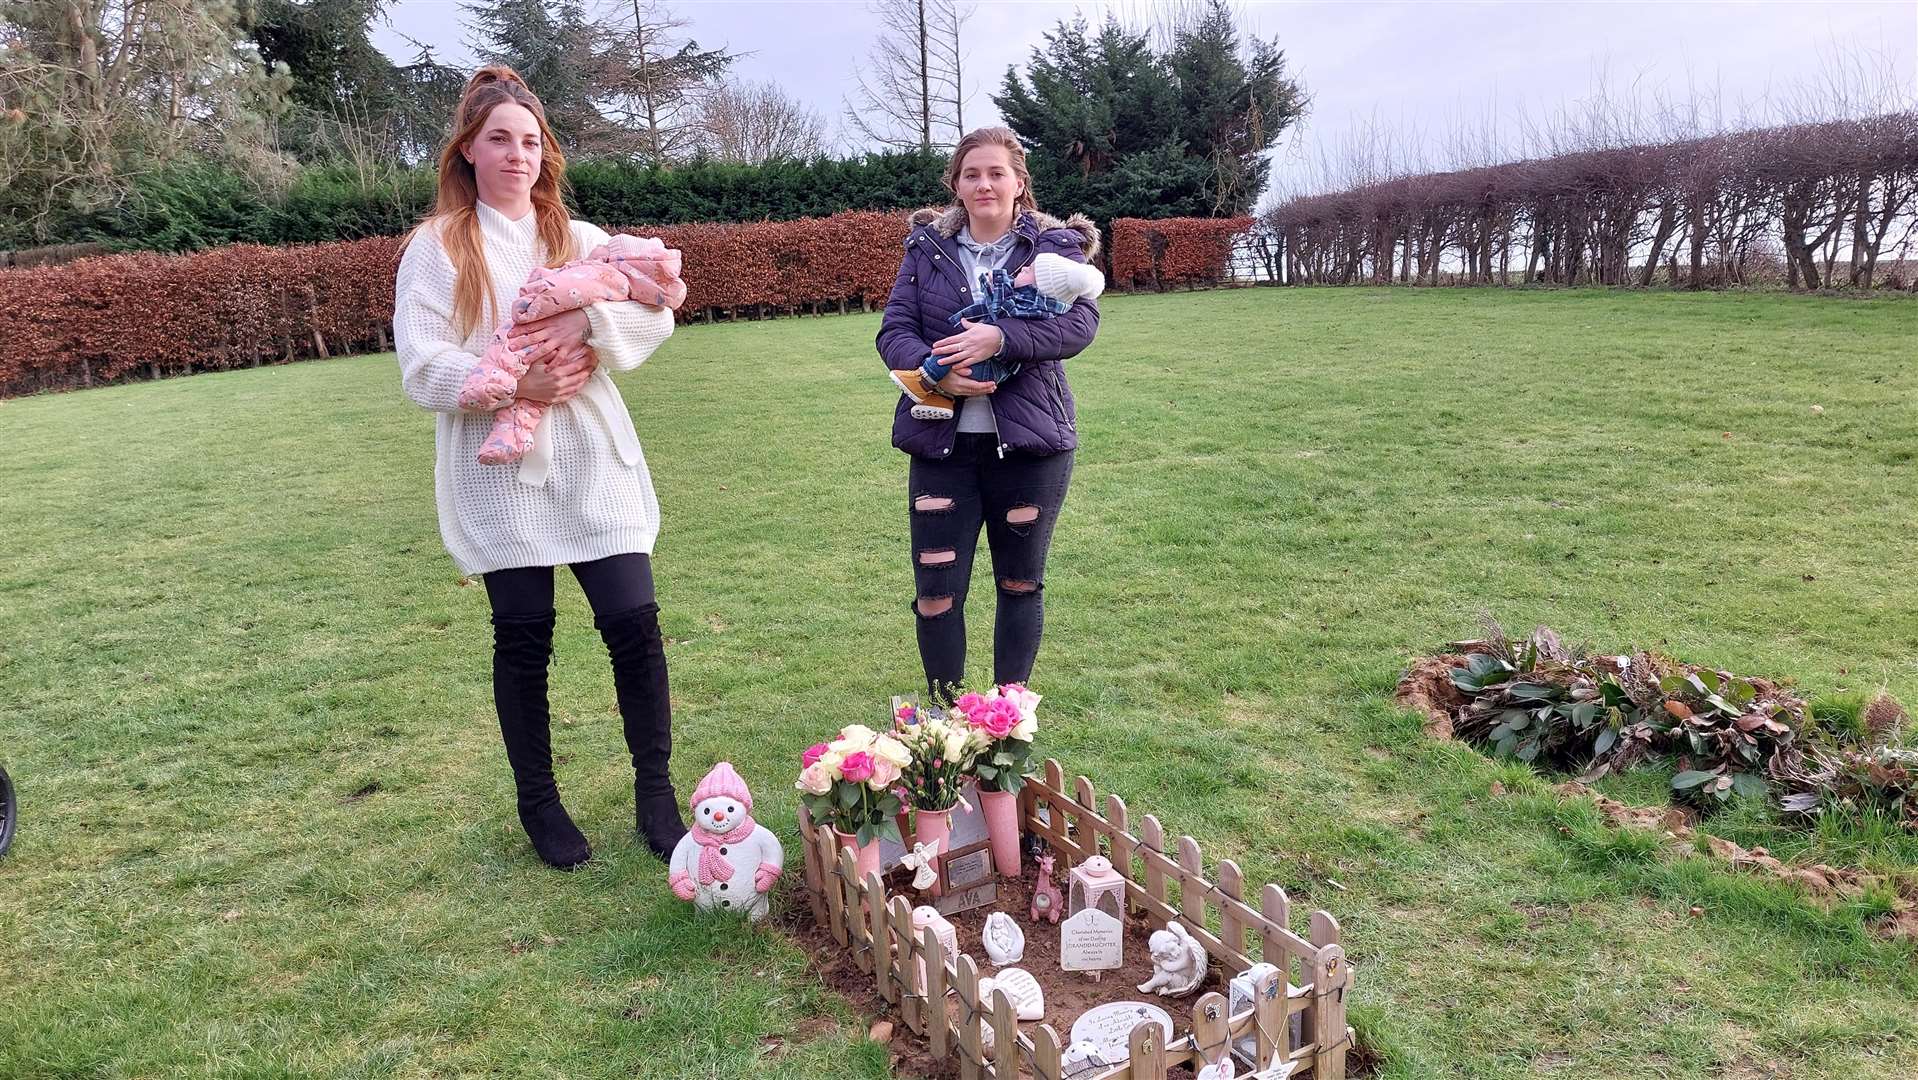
(1178, 962)
(727, 862)
(1046, 901)
(1005, 942)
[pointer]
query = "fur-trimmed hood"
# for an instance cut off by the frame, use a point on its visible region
(948, 220)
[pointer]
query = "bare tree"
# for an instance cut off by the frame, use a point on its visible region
(93, 92)
(912, 93)
(754, 122)
(654, 80)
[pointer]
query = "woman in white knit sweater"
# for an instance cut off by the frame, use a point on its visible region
(581, 497)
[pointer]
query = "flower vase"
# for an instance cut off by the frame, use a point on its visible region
(865, 856)
(903, 819)
(934, 829)
(1002, 827)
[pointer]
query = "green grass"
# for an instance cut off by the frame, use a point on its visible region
(268, 828)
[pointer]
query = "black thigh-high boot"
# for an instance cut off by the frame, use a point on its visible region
(639, 679)
(522, 648)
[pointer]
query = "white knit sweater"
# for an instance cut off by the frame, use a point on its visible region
(583, 493)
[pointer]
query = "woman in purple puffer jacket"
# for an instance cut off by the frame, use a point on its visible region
(1005, 459)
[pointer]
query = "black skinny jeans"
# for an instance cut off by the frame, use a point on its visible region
(612, 585)
(1017, 498)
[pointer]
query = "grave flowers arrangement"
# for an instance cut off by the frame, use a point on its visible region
(849, 784)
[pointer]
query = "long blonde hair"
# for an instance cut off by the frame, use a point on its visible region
(992, 136)
(455, 204)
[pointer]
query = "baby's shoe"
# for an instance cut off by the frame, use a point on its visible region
(927, 403)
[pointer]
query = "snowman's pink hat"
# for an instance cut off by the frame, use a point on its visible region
(722, 782)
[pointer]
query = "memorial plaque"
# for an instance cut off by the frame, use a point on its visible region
(966, 879)
(1091, 941)
(1110, 1026)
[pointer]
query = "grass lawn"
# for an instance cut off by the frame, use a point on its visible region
(268, 828)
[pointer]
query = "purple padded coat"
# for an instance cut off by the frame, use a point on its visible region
(1035, 410)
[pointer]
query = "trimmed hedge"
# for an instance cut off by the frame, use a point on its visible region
(194, 205)
(101, 320)
(1173, 251)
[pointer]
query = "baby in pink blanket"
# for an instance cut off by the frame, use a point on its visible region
(624, 268)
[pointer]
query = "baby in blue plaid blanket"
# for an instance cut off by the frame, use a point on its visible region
(1043, 290)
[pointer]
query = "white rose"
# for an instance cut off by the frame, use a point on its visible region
(816, 779)
(959, 745)
(852, 739)
(1024, 729)
(886, 748)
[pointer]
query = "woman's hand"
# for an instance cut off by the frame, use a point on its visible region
(978, 341)
(957, 384)
(559, 379)
(548, 337)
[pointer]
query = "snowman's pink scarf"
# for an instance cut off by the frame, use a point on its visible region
(712, 865)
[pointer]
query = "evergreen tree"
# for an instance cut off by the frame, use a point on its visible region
(1117, 128)
(555, 48)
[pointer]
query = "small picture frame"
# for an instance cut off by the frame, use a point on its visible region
(966, 879)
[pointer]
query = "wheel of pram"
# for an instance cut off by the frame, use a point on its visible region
(8, 812)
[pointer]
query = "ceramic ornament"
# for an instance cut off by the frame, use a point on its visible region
(1005, 942)
(1178, 962)
(925, 915)
(1046, 901)
(727, 862)
(1095, 884)
(1028, 1001)
(1085, 1058)
(923, 861)
(1241, 998)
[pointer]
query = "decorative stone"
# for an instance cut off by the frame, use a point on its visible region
(1095, 884)
(1005, 943)
(1091, 941)
(1109, 1027)
(727, 862)
(1028, 1001)
(1178, 962)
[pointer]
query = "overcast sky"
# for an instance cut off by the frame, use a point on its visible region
(1411, 67)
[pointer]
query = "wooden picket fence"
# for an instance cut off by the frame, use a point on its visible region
(1163, 882)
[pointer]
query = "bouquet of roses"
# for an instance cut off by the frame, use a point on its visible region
(1005, 717)
(848, 783)
(942, 749)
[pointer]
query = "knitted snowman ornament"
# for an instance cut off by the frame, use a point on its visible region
(727, 862)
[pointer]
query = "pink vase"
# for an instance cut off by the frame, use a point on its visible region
(934, 827)
(1002, 827)
(865, 857)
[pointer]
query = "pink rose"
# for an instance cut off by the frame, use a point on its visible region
(997, 719)
(857, 767)
(813, 753)
(883, 774)
(970, 704)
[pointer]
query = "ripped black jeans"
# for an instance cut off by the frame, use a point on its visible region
(1017, 498)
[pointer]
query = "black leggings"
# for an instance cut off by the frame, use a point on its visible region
(1017, 498)
(612, 585)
